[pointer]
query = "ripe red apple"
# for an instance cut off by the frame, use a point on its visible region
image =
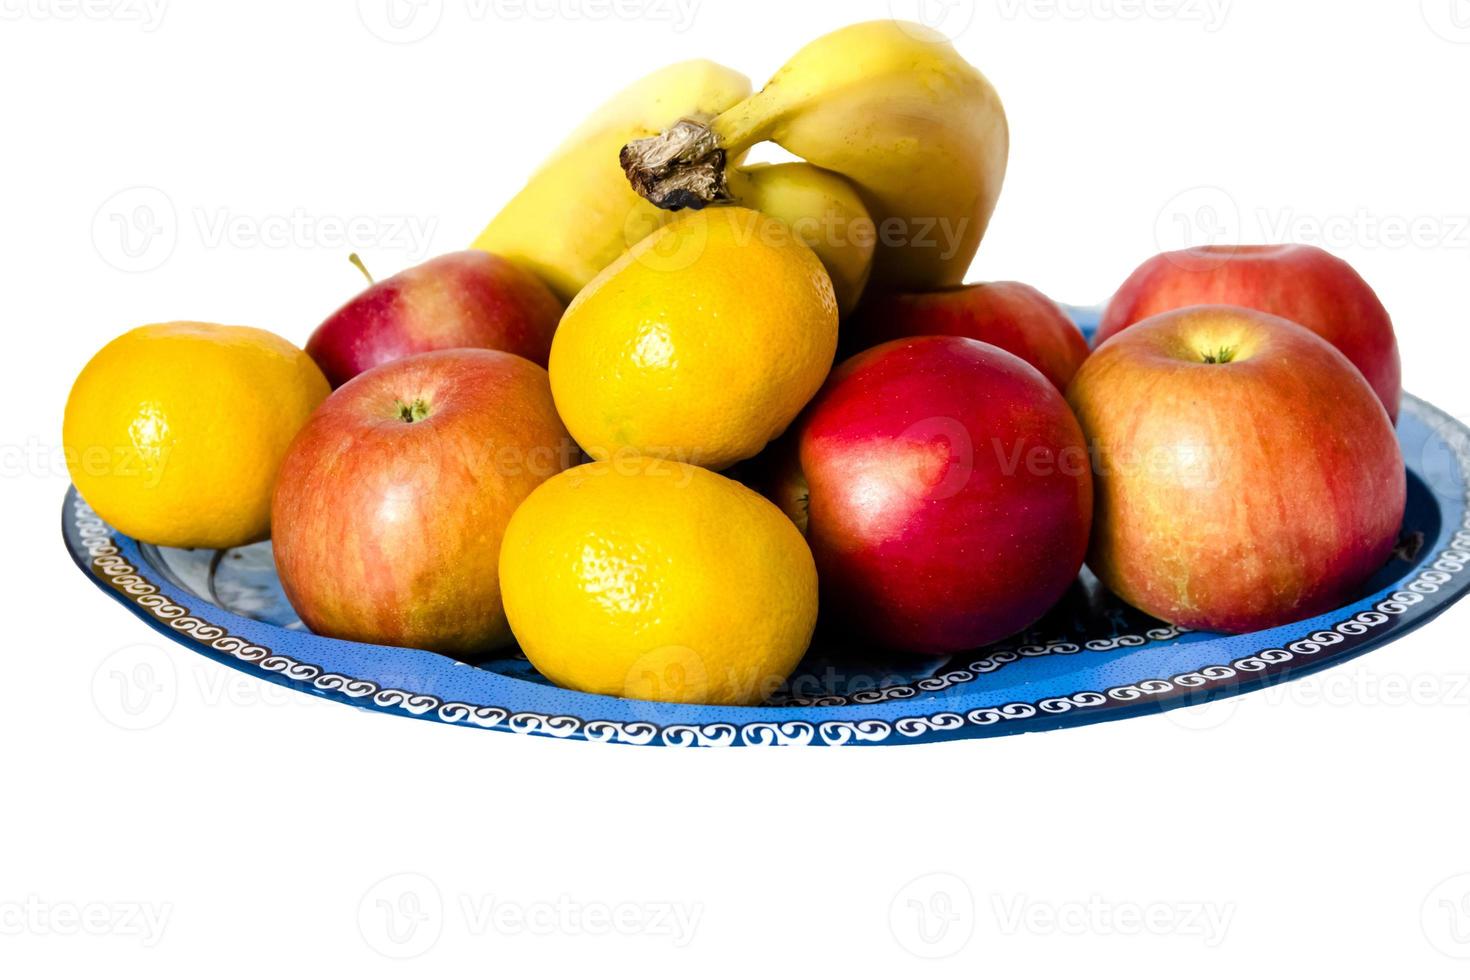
(1302, 283)
(1011, 315)
(463, 299)
(392, 500)
(1247, 475)
(945, 490)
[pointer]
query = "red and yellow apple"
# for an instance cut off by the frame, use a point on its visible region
(1247, 475)
(1302, 283)
(463, 299)
(392, 501)
(1011, 315)
(944, 487)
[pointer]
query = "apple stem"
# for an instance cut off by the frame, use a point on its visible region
(414, 411)
(362, 268)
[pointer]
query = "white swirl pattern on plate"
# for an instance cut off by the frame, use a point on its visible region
(108, 563)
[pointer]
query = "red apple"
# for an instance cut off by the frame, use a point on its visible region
(1247, 475)
(1302, 283)
(463, 299)
(1011, 315)
(945, 490)
(392, 500)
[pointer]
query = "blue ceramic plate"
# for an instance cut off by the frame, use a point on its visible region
(1092, 659)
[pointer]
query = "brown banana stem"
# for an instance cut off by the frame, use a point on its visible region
(682, 167)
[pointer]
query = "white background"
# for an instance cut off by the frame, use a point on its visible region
(1320, 826)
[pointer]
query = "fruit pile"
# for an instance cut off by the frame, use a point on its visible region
(611, 432)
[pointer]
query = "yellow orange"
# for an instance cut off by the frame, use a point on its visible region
(174, 431)
(652, 579)
(700, 344)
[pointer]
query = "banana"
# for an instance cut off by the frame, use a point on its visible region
(821, 209)
(577, 213)
(890, 106)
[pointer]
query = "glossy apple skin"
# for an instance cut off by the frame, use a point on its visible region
(1011, 315)
(463, 299)
(1236, 496)
(1302, 283)
(388, 531)
(947, 494)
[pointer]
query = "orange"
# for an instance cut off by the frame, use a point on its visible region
(174, 432)
(700, 344)
(652, 579)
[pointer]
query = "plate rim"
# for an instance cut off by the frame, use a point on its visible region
(1430, 587)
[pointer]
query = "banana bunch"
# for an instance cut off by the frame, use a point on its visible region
(578, 213)
(891, 107)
